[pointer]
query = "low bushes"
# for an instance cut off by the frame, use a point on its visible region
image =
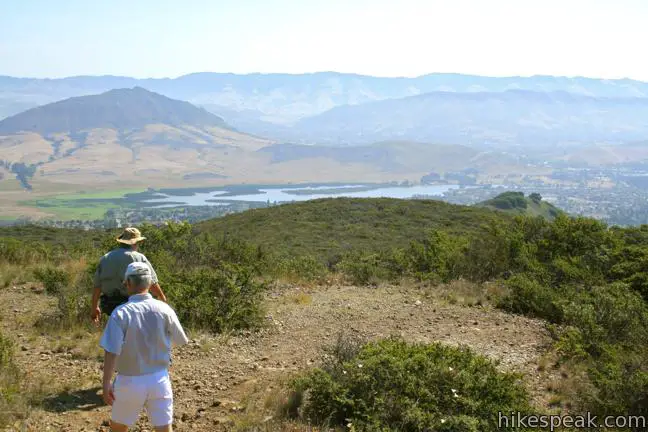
(11, 401)
(392, 385)
(217, 299)
(365, 269)
(510, 200)
(71, 284)
(54, 279)
(301, 268)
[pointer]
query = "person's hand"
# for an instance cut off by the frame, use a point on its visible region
(95, 315)
(108, 395)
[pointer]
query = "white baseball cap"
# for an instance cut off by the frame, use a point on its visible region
(137, 268)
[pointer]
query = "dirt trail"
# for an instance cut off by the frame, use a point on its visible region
(217, 379)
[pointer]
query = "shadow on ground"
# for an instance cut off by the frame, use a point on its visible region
(84, 400)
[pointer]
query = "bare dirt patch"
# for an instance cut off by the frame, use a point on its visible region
(231, 382)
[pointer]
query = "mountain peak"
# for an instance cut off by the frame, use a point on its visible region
(122, 108)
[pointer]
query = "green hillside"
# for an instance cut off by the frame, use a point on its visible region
(586, 279)
(335, 225)
(516, 203)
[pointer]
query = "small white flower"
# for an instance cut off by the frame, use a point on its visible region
(442, 421)
(344, 372)
(450, 369)
(360, 365)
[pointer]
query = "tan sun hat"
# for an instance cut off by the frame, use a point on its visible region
(130, 236)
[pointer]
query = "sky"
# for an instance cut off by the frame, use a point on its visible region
(165, 38)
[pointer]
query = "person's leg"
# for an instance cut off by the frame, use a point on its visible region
(130, 396)
(159, 403)
(118, 427)
(160, 412)
(109, 304)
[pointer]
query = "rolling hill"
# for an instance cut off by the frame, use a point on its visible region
(121, 109)
(326, 227)
(122, 136)
(516, 203)
(510, 118)
(137, 138)
(389, 156)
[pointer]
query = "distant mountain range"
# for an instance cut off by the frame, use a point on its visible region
(504, 119)
(137, 137)
(346, 109)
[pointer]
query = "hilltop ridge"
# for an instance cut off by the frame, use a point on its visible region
(333, 225)
(288, 97)
(516, 203)
(115, 109)
(131, 135)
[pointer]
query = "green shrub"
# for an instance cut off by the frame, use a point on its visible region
(605, 334)
(611, 314)
(73, 294)
(364, 269)
(74, 302)
(489, 254)
(346, 348)
(14, 251)
(217, 299)
(11, 400)
(619, 384)
(54, 279)
(305, 268)
(529, 297)
(509, 200)
(392, 385)
(438, 256)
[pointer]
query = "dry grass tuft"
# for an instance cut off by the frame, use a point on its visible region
(13, 274)
(299, 297)
(465, 293)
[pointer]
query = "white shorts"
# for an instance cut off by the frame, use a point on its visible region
(132, 393)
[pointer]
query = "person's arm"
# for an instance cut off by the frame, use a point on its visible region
(95, 311)
(110, 361)
(157, 292)
(156, 289)
(111, 341)
(178, 336)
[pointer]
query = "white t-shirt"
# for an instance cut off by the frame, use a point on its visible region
(141, 333)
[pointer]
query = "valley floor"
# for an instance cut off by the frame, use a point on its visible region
(233, 382)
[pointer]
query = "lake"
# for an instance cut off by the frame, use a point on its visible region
(281, 194)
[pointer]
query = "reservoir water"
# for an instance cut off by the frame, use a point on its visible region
(282, 194)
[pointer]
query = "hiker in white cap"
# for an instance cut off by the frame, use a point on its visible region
(137, 343)
(109, 288)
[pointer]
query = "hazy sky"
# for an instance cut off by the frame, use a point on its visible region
(158, 38)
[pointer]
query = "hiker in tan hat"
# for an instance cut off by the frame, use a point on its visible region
(109, 288)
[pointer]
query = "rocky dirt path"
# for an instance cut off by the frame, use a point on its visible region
(230, 382)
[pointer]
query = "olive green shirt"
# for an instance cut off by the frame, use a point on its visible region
(112, 267)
